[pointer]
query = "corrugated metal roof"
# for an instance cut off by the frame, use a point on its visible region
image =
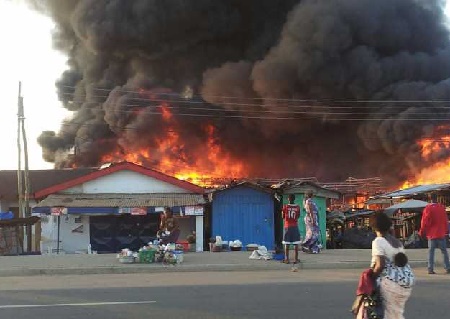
(254, 186)
(377, 200)
(305, 186)
(412, 204)
(359, 213)
(121, 200)
(39, 179)
(416, 190)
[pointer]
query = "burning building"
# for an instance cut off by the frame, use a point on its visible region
(226, 88)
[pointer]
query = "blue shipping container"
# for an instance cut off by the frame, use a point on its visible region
(246, 214)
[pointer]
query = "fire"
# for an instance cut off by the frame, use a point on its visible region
(439, 172)
(215, 164)
(170, 156)
(165, 112)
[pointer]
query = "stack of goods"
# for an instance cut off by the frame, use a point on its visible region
(236, 245)
(169, 254)
(127, 256)
(147, 254)
(153, 252)
(216, 244)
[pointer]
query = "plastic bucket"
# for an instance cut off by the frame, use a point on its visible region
(179, 255)
(147, 256)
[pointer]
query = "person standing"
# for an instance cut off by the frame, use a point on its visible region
(311, 244)
(169, 228)
(434, 226)
(290, 215)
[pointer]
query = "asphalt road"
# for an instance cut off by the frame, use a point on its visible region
(270, 294)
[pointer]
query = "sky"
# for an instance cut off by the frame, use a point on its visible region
(26, 55)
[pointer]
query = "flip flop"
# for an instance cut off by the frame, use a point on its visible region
(285, 261)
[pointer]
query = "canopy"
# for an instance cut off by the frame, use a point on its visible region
(121, 200)
(409, 205)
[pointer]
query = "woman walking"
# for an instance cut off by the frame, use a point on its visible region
(390, 264)
(311, 244)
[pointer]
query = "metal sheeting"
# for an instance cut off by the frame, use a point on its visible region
(416, 190)
(246, 214)
(359, 214)
(121, 200)
(306, 186)
(412, 204)
(110, 234)
(377, 200)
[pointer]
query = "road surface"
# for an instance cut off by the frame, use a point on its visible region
(269, 294)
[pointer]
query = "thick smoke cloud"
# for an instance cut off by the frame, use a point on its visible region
(343, 77)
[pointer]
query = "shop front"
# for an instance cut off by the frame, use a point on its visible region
(117, 206)
(106, 223)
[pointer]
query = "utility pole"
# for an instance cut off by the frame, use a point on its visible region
(19, 155)
(23, 177)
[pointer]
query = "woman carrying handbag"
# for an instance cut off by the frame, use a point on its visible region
(395, 277)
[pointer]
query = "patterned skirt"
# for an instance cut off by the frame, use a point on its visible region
(311, 243)
(394, 298)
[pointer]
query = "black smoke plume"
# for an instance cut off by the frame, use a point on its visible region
(325, 88)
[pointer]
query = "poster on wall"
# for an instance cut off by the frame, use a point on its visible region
(58, 211)
(138, 211)
(193, 211)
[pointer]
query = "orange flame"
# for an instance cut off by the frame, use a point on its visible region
(169, 157)
(166, 114)
(436, 173)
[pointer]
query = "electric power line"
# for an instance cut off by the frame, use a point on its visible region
(181, 130)
(264, 98)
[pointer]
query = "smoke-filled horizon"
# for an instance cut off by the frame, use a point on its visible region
(196, 74)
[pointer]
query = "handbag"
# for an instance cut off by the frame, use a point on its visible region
(373, 307)
(368, 306)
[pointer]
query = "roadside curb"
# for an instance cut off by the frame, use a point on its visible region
(157, 268)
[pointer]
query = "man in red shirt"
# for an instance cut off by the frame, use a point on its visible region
(434, 226)
(291, 214)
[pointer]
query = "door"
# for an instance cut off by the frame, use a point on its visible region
(110, 234)
(263, 230)
(246, 215)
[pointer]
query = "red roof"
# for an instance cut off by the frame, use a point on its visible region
(115, 168)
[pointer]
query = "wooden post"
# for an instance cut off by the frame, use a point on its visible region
(19, 158)
(19, 154)
(26, 190)
(58, 234)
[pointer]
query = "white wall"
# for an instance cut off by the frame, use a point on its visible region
(125, 182)
(199, 231)
(70, 241)
(48, 233)
(73, 240)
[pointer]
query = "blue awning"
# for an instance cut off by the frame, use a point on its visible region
(37, 211)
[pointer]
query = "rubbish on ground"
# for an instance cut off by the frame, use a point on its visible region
(261, 254)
